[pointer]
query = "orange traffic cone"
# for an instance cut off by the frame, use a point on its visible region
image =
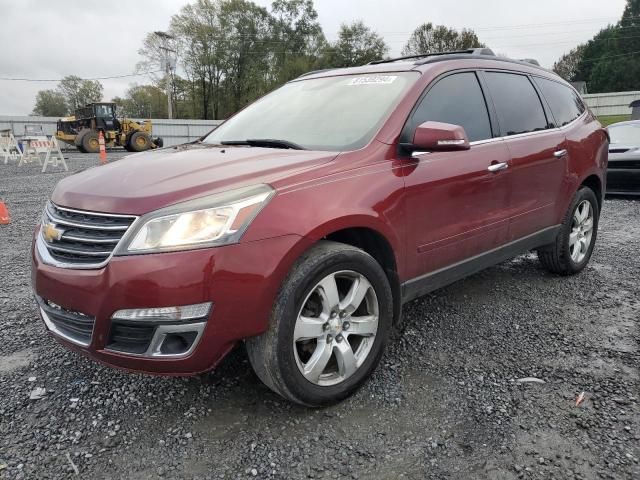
(103, 151)
(4, 214)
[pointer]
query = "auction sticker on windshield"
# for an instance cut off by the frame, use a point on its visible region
(373, 80)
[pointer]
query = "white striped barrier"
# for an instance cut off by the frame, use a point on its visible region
(29, 153)
(9, 148)
(54, 156)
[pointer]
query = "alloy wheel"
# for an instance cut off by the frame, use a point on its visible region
(336, 328)
(581, 231)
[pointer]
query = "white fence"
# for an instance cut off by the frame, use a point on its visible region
(611, 103)
(172, 132)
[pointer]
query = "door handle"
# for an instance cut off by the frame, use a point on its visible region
(560, 153)
(496, 167)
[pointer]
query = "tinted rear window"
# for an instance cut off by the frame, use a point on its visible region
(456, 99)
(565, 103)
(517, 103)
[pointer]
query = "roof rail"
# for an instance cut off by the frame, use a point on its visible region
(532, 61)
(469, 51)
(434, 59)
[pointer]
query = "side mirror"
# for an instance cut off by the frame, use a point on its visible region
(439, 137)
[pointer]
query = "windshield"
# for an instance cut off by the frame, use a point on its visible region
(628, 134)
(104, 111)
(332, 113)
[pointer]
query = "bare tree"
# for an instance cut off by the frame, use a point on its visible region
(567, 65)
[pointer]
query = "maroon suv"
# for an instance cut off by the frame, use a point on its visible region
(303, 223)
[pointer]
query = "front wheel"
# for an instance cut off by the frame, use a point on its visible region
(329, 326)
(140, 141)
(573, 247)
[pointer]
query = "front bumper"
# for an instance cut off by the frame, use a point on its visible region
(241, 281)
(622, 181)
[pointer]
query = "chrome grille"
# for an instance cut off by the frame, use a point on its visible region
(74, 326)
(81, 238)
(626, 164)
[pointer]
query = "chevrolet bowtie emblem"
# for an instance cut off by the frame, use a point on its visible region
(50, 232)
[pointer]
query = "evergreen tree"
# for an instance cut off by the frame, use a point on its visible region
(611, 60)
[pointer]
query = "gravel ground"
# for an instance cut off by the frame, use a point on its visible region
(445, 402)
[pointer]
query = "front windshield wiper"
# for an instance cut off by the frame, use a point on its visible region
(264, 142)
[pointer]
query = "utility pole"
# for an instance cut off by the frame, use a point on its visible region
(166, 60)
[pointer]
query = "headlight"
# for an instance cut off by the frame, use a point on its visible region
(210, 221)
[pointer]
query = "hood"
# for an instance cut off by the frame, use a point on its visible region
(144, 182)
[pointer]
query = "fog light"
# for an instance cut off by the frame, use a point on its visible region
(177, 343)
(165, 314)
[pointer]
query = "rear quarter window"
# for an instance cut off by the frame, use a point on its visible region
(566, 105)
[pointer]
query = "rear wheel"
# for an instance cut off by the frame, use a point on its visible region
(78, 140)
(127, 145)
(90, 142)
(329, 326)
(140, 141)
(573, 247)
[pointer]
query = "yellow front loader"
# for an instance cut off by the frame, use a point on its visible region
(83, 130)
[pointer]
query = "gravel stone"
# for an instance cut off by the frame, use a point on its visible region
(444, 402)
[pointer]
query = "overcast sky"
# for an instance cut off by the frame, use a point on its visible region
(50, 39)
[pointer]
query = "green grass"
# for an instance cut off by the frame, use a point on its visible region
(607, 120)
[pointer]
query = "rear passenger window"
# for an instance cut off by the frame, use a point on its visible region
(564, 102)
(456, 99)
(517, 103)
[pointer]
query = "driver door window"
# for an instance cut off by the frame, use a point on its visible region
(456, 99)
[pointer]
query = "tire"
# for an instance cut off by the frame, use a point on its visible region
(279, 360)
(569, 254)
(78, 140)
(140, 141)
(90, 142)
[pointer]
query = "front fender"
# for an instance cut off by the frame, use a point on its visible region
(370, 199)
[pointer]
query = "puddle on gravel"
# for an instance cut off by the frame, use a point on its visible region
(595, 366)
(619, 336)
(15, 361)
